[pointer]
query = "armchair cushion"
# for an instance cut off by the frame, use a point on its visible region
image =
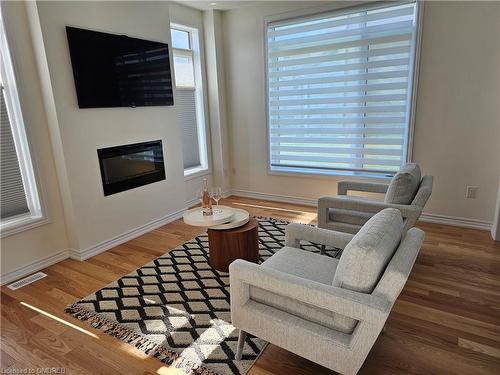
(315, 314)
(364, 259)
(311, 267)
(304, 264)
(404, 185)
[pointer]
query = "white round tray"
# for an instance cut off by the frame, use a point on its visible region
(240, 218)
(195, 216)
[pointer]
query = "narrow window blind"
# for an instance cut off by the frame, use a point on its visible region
(189, 97)
(186, 107)
(13, 200)
(339, 89)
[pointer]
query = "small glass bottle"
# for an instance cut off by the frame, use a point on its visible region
(206, 201)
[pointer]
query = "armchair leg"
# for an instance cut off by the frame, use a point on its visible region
(241, 341)
(322, 251)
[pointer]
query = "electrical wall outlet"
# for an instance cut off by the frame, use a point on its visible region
(471, 192)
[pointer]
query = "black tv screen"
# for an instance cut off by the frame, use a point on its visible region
(118, 71)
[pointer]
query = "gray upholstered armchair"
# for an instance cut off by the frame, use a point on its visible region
(407, 192)
(327, 310)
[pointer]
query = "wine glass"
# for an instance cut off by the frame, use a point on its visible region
(216, 195)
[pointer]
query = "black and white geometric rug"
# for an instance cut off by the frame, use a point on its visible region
(176, 308)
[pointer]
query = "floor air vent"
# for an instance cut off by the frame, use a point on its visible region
(27, 280)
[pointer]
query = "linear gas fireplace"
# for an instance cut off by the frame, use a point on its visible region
(129, 166)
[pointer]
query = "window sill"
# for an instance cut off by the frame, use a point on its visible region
(301, 172)
(21, 223)
(185, 88)
(192, 173)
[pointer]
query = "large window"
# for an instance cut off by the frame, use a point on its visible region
(19, 204)
(340, 88)
(189, 98)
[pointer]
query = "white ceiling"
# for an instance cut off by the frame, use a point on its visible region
(214, 4)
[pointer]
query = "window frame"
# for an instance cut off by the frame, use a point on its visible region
(37, 212)
(311, 13)
(200, 97)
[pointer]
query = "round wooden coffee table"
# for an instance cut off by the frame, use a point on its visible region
(227, 245)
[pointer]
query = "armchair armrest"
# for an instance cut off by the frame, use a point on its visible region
(370, 187)
(296, 232)
(359, 306)
(350, 203)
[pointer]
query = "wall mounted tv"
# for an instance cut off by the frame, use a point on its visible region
(118, 71)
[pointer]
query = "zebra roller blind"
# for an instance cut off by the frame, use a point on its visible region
(339, 89)
(13, 200)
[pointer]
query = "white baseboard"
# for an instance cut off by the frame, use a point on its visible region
(456, 221)
(89, 252)
(124, 237)
(33, 267)
(108, 244)
(426, 217)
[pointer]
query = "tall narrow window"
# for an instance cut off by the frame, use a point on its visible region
(14, 201)
(189, 97)
(340, 88)
(19, 204)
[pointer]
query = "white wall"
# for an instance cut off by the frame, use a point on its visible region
(24, 248)
(217, 98)
(209, 24)
(65, 138)
(457, 131)
(245, 83)
(191, 17)
(495, 229)
(81, 132)
(457, 136)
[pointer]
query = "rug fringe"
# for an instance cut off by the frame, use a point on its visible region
(151, 348)
(127, 335)
(282, 221)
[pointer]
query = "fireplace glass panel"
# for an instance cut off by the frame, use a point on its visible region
(130, 166)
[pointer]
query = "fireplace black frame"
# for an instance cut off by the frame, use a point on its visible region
(157, 175)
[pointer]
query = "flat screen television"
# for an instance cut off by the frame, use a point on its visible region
(118, 71)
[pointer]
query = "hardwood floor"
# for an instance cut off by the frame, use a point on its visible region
(446, 320)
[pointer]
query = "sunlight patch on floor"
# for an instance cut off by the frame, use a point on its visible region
(208, 341)
(166, 370)
(292, 215)
(71, 325)
(273, 208)
(132, 350)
